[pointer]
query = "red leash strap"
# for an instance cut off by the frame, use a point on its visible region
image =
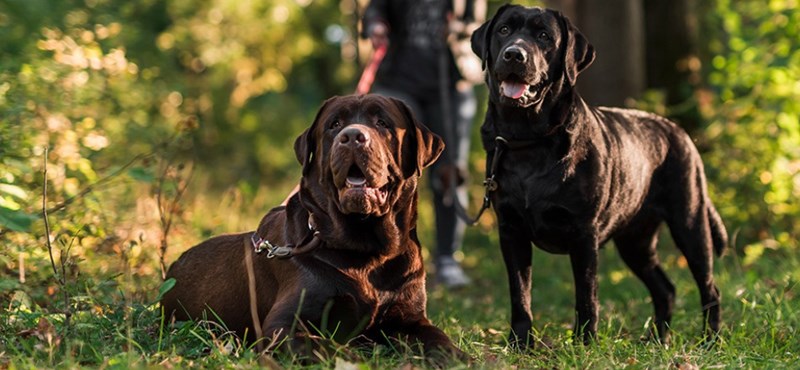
(368, 76)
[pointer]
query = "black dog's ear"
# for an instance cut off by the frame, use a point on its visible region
(423, 146)
(305, 145)
(578, 52)
(481, 38)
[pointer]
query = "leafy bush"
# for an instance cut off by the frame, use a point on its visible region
(752, 109)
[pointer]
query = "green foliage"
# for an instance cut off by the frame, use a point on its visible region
(257, 71)
(124, 94)
(752, 112)
(759, 331)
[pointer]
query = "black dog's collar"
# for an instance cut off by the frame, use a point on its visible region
(309, 243)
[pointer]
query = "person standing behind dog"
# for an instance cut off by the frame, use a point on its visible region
(424, 67)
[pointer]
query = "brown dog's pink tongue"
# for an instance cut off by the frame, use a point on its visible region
(513, 90)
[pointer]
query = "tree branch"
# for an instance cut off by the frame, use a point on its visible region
(46, 222)
(89, 188)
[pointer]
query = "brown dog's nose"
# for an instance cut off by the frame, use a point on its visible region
(515, 52)
(354, 136)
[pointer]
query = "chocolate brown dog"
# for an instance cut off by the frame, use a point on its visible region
(571, 177)
(356, 266)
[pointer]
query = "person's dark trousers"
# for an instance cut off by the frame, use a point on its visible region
(428, 109)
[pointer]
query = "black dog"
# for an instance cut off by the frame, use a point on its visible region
(571, 177)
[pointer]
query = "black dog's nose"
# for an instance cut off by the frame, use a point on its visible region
(515, 52)
(353, 135)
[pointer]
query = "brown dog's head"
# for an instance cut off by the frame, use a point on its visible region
(528, 53)
(361, 150)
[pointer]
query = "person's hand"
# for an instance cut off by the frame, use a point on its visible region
(379, 35)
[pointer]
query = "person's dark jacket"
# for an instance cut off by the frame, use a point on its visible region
(417, 32)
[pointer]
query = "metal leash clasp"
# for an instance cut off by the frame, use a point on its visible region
(490, 184)
(260, 245)
(279, 252)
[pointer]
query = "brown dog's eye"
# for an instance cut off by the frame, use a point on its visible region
(335, 124)
(544, 36)
(504, 30)
(382, 123)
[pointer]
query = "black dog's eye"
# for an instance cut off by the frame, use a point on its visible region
(335, 124)
(382, 123)
(504, 30)
(544, 36)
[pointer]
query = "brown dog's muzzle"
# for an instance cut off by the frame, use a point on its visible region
(358, 166)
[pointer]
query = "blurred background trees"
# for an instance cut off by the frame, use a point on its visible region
(128, 96)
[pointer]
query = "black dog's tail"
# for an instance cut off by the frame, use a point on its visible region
(719, 235)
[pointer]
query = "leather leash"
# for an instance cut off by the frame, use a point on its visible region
(368, 76)
(490, 183)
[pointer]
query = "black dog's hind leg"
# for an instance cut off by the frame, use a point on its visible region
(517, 253)
(692, 235)
(637, 246)
(689, 223)
(583, 257)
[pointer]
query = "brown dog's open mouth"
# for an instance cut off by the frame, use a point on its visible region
(359, 196)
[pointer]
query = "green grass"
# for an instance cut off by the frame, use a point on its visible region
(760, 311)
(116, 325)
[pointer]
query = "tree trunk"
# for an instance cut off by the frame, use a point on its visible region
(672, 62)
(616, 29)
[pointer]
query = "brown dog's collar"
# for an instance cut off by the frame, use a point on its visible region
(309, 243)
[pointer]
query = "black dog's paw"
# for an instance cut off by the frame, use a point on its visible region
(709, 340)
(585, 337)
(525, 342)
(654, 336)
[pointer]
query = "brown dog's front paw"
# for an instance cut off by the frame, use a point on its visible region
(444, 355)
(307, 349)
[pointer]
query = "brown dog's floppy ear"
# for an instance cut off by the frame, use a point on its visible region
(578, 52)
(305, 145)
(423, 148)
(481, 38)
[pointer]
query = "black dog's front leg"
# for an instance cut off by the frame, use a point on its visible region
(584, 269)
(517, 252)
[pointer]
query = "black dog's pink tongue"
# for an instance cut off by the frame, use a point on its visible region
(513, 90)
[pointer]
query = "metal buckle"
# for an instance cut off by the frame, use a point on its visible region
(280, 252)
(490, 184)
(259, 245)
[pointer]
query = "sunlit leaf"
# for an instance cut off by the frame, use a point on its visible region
(166, 286)
(141, 174)
(9, 203)
(14, 191)
(16, 220)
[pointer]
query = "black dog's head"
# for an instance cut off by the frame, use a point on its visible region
(361, 151)
(528, 53)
